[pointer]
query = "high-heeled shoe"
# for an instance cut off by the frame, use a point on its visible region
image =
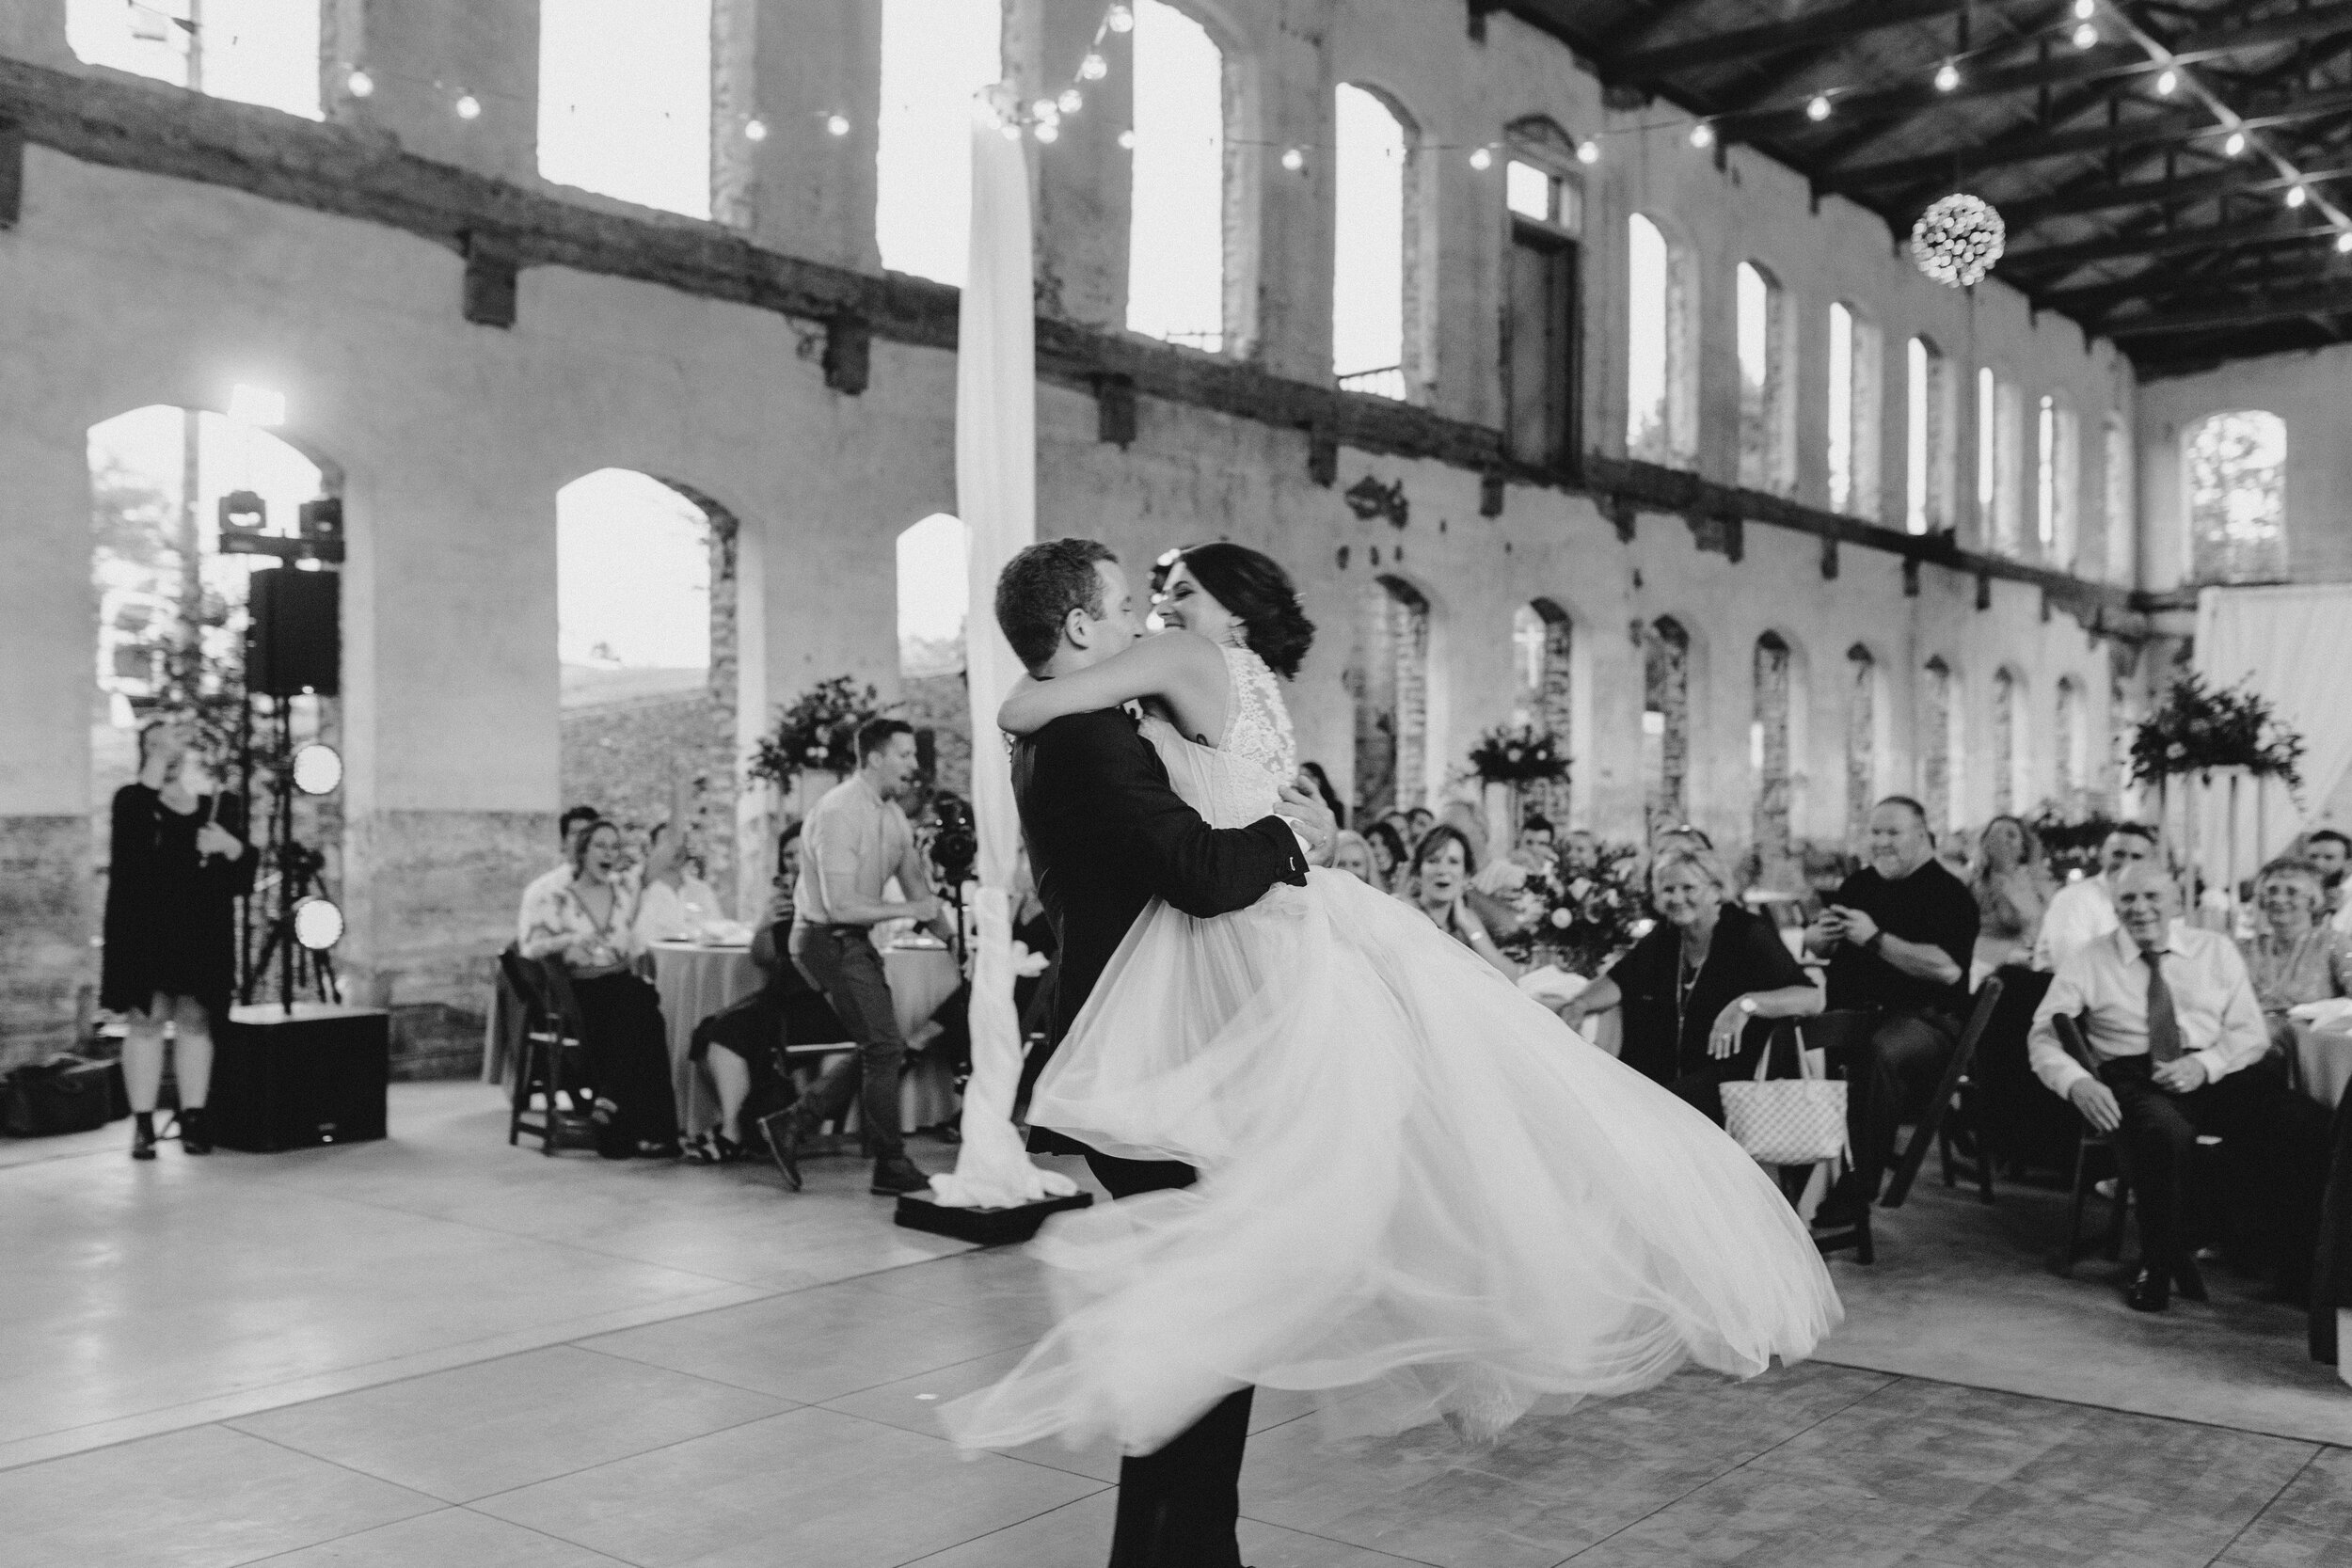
(195, 1138)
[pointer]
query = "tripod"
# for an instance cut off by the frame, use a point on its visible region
(296, 869)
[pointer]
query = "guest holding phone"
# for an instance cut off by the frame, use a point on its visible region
(177, 863)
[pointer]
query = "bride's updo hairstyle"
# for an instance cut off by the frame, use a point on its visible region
(1256, 591)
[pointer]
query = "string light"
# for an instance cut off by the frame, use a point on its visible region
(754, 129)
(1122, 20)
(469, 107)
(1481, 158)
(1047, 131)
(1947, 76)
(1294, 160)
(2297, 195)
(1819, 108)
(360, 83)
(2165, 82)
(1588, 151)
(838, 125)
(1012, 132)
(2085, 9)
(1127, 140)
(2344, 243)
(2236, 145)
(1094, 68)
(1702, 135)
(1071, 102)
(2085, 37)
(1045, 109)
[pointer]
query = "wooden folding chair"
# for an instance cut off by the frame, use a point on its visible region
(549, 1070)
(1931, 1125)
(1838, 1034)
(2092, 1150)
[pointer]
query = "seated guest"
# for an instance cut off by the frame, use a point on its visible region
(2178, 1043)
(588, 924)
(1322, 787)
(543, 885)
(739, 1045)
(2011, 887)
(1417, 821)
(2081, 912)
(1387, 854)
(1537, 847)
(1700, 989)
(1443, 863)
(1580, 854)
(676, 903)
(1898, 935)
(2297, 957)
(2332, 851)
(1351, 853)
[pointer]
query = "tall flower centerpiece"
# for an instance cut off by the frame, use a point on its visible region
(1505, 760)
(814, 744)
(2199, 748)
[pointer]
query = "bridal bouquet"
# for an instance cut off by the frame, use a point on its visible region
(1581, 921)
(1517, 753)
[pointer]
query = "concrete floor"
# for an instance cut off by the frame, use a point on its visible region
(439, 1351)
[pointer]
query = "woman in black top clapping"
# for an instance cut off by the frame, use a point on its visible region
(1698, 990)
(177, 861)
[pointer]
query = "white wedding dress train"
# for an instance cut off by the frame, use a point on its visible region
(1420, 1194)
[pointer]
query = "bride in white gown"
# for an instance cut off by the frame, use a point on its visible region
(1420, 1192)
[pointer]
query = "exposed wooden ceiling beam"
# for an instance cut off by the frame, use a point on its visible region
(1837, 24)
(2332, 299)
(2219, 270)
(2253, 180)
(2000, 152)
(2056, 260)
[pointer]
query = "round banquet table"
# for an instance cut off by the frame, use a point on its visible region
(2322, 1064)
(694, 981)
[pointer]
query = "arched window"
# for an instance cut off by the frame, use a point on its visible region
(1541, 346)
(2123, 525)
(264, 52)
(1768, 444)
(1988, 456)
(1543, 691)
(1176, 239)
(935, 55)
(625, 100)
(1940, 757)
(2069, 764)
(1927, 439)
(1387, 676)
(2236, 483)
(2057, 480)
(1375, 274)
(1767, 746)
(934, 592)
(1862, 741)
(1853, 414)
(2012, 754)
(1665, 724)
(1661, 405)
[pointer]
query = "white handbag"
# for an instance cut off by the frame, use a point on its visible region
(1787, 1121)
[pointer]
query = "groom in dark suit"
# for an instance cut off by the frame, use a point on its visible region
(1106, 834)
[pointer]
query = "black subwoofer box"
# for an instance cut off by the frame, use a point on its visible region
(315, 1075)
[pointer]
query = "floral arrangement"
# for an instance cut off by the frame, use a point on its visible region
(1517, 753)
(1583, 921)
(2072, 847)
(2199, 730)
(818, 732)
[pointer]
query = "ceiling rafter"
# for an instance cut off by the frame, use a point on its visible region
(2332, 299)
(2250, 180)
(1841, 25)
(2055, 260)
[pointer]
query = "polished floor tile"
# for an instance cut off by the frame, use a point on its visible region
(203, 1499)
(453, 1538)
(467, 1433)
(812, 1487)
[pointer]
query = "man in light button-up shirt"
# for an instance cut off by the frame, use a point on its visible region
(2203, 1071)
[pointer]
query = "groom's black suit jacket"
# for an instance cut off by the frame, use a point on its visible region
(1106, 834)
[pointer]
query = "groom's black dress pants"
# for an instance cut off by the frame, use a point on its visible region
(1177, 1508)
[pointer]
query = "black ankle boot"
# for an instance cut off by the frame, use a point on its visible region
(195, 1138)
(143, 1136)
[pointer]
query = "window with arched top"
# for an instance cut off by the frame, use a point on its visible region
(2069, 757)
(1665, 724)
(1927, 437)
(2236, 480)
(1387, 680)
(1662, 342)
(1768, 429)
(1940, 757)
(1376, 271)
(1861, 740)
(2057, 480)
(264, 52)
(625, 100)
(1542, 644)
(935, 55)
(2122, 562)
(1853, 413)
(1177, 239)
(2013, 758)
(1768, 745)
(1999, 488)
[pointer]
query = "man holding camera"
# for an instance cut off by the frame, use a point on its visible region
(854, 841)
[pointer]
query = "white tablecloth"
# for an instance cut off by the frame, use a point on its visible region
(2323, 1065)
(694, 981)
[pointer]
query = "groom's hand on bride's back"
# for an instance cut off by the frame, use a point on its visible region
(1304, 808)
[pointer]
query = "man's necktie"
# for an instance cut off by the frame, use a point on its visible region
(2164, 1025)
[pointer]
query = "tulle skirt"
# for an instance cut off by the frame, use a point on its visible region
(1420, 1194)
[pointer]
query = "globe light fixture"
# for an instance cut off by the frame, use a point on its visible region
(318, 769)
(318, 924)
(1958, 239)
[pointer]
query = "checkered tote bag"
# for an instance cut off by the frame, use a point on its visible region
(1787, 1121)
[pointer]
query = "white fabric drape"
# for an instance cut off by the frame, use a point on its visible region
(2294, 646)
(996, 494)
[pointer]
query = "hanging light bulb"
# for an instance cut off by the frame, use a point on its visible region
(2085, 37)
(1045, 109)
(1122, 20)
(837, 125)
(2085, 9)
(1819, 108)
(2296, 196)
(1947, 76)
(360, 83)
(1012, 131)
(469, 107)
(1047, 131)
(1294, 160)
(1094, 68)
(1071, 102)
(2236, 145)
(1588, 151)
(2344, 243)
(754, 129)
(1127, 140)
(1702, 135)
(2165, 82)
(1481, 158)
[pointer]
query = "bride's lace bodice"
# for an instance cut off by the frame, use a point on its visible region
(1233, 784)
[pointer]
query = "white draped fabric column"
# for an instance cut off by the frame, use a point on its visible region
(2294, 645)
(996, 493)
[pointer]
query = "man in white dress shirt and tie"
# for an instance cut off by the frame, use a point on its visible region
(2180, 1046)
(2083, 912)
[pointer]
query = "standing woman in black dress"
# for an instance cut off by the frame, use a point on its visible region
(177, 861)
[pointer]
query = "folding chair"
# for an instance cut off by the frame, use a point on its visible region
(2091, 1147)
(549, 1069)
(1837, 1035)
(1930, 1129)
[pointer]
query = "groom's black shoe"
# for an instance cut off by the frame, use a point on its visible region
(897, 1176)
(782, 1129)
